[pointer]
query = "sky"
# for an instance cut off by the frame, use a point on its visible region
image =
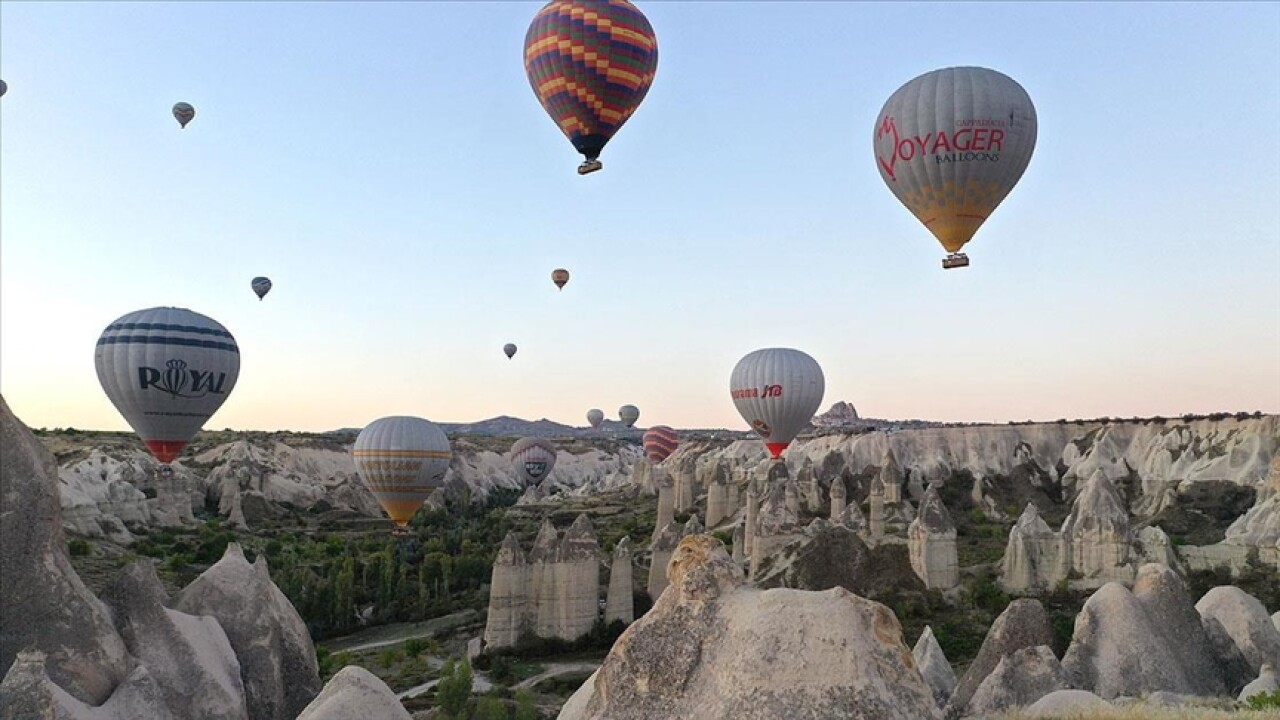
(389, 168)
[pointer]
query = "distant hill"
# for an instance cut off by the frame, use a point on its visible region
(505, 425)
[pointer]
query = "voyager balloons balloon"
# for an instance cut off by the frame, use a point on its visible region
(950, 145)
(590, 62)
(534, 458)
(659, 442)
(777, 391)
(629, 414)
(261, 286)
(167, 370)
(402, 460)
(595, 417)
(184, 113)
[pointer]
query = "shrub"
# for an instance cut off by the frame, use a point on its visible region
(1264, 701)
(491, 708)
(454, 688)
(79, 548)
(415, 646)
(525, 709)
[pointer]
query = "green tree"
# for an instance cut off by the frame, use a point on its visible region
(525, 709)
(454, 688)
(491, 708)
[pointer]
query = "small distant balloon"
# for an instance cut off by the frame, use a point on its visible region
(560, 277)
(261, 286)
(509, 349)
(534, 459)
(629, 414)
(4, 88)
(659, 442)
(595, 417)
(184, 112)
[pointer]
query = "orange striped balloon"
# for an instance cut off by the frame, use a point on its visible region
(590, 62)
(659, 442)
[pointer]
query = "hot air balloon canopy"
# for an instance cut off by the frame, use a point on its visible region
(509, 350)
(629, 414)
(261, 286)
(595, 417)
(659, 442)
(402, 460)
(533, 458)
(590, 62)
(777, 391)
(184, 112)
(950, 145)
(167, 370)
(560, 277)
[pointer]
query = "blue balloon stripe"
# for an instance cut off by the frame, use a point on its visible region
(162, 340)
(174, 328)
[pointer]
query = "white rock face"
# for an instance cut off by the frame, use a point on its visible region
(1019, 680)
(931, 540)
(620, 603)
(660, 549)
(1034, 557)
(1267, 682)
(1066, 703)
(508, 595)
(934, 668)
(1246, 621)
(1024, 624)
(277, 659)
(1275, 620)
(27, 692)
(100, 494)
(354, 692)
(713, 647)
(578, 576)
(1097, 532)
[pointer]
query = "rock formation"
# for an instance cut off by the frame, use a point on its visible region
(718, 508)
(1246, 621)
(354, 692)
(1148, 640)
(751, 519)
(932, 543)
(791, 493)
(189, 656)
(853, 519)
(620, 603)
(1018, 680)
(1268, 681)
(277, 659)
(1034, 556)
(739, 544)
(838, 500)
(509, 590)
(543, 618)
(660, 548)
(934, 668)
(890, 477)
(666, 497)
(1097, 532)
(578, 576)
(43, 603)
(776, 525)
(1024, 624)
(27, 692)
(1066, 703)
(876, 514)
(713, 647)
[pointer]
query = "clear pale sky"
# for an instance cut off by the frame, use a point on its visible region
(389, 168)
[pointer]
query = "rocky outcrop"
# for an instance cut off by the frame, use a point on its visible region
(1033, 559)
(890, 478)
(578, 576)
(1148, 640)
(1097, 533)
(43, 603)
(931, 540)
(277, 659)
(666, 496)
(1024, 624)
(777, 525)
(620, 602)
(100, 497)
(660, 549)
(719, 508)
(354, 692)
(189, 656)
(1066, 703)
(1245, 621)
(838, 500)
(27, 692)
(934, 668)
(1018, 680)
(1268, 681)
(830, 557)
(509, 589)
(713, 647)
(543, 617)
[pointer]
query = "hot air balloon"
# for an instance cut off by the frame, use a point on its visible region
(401, 460)
(951, 144)
(4, 88)
(534, 458)
(590, 63)
(184, 112)
(659, 442)
(167, 370)
(595, 417)
(629, 414)
(261, 286)
(509, 349)
(560, 277)
(777, 391)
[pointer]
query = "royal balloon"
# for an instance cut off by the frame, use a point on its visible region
(951, 144)
(167, 370)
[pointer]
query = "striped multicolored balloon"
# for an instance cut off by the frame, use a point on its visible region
(659, 442)
(534, 459)
(590, 63)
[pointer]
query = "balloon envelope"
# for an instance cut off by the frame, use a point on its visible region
(951, 144)
(590, 62)
(560, 277)
(261, 286)
(534, 458)
(167, 370)
(509, 349)
(629, 414)
(777, 391)
(595, 417)
(401, 460)
(659, 442)
(4, 88)
(184, 113)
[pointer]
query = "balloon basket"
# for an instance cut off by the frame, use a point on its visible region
(955, 260)
(590, 166)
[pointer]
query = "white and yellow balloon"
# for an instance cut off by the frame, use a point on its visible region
(402, 460)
